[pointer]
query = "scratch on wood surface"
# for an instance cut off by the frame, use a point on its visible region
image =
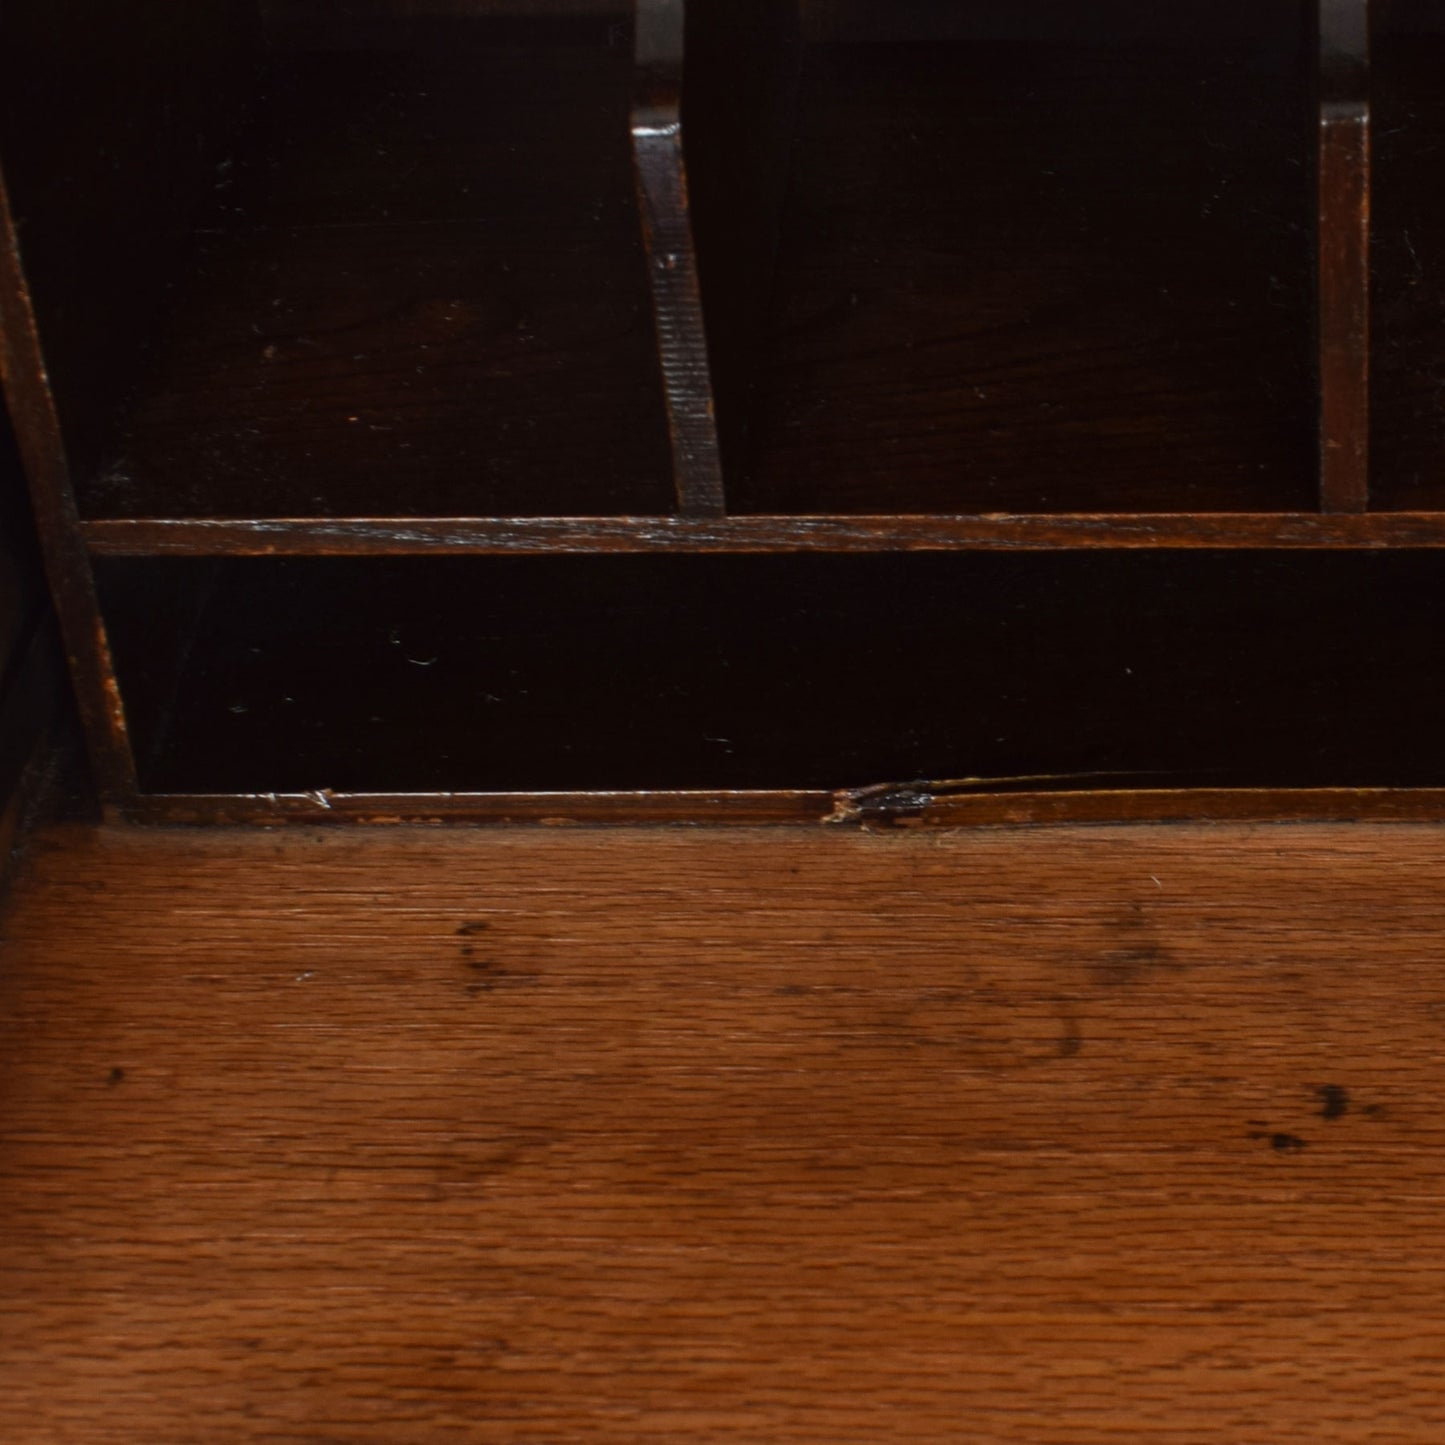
(892, 803)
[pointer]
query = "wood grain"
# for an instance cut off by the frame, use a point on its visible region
(1062, 1137)
(413, 536)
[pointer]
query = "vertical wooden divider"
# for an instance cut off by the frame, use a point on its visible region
(662, 182)
(1344, 254)
(27, 392)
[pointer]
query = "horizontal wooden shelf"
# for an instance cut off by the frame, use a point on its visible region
(409, 536)
(981, 807)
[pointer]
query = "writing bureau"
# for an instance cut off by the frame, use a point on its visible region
(837, 410)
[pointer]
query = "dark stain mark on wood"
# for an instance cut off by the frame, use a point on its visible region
(471, 930)
(1334, 1101)
(489, 976)
(1138, 953)
(116, 1076)
(1070, 1045)
(1281, 1143)
(1123, 967)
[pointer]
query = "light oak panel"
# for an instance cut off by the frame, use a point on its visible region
(1062, 1137)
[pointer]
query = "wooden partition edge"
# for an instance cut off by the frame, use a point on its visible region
(501, 536)
(910, 807)
(68, 570)
(1344, 254)
(324, 806)
(662, 189)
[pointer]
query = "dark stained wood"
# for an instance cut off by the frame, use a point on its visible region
(1344, 237)
(1408, 313)
(886, 808)
(663, 187)
(1020, 1138)
(739, 126)
(32, 671)
(328, 808)
(1000, 292)
(1026, 281)
(22, 588)
(318, 22)
(1064, 22)
(1025, 671)
(31, 408)
(712, 132)
(113, 118)
(31, 702)
(411, 536)
(110, 118)
(421, 288)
